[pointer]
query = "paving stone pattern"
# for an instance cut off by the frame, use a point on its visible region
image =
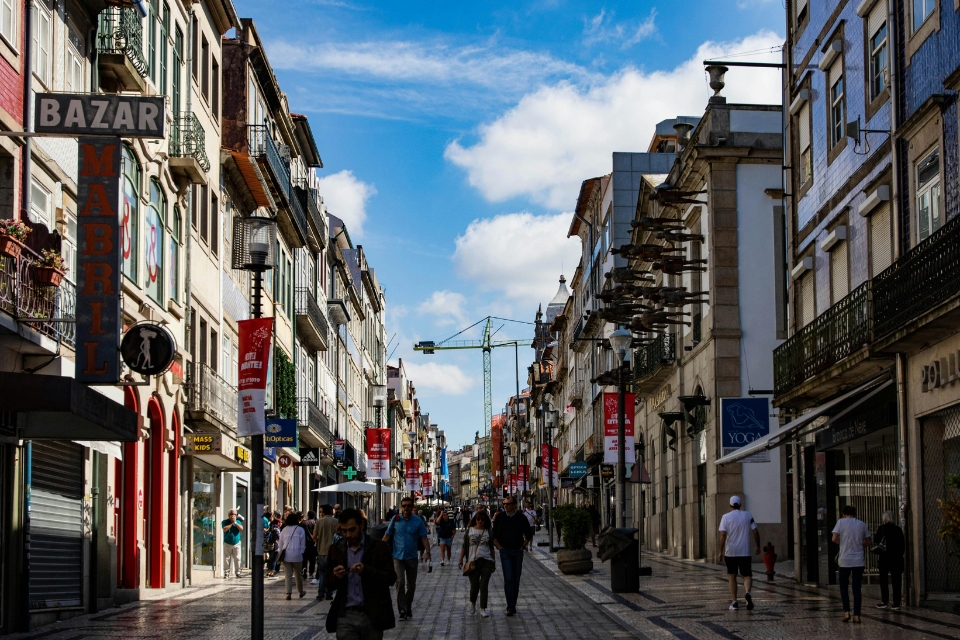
(681, 600)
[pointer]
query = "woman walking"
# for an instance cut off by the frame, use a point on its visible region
(271, 536)
(853, 536)
(478, 550)
(445, 529)
(293, 542)
(892, 546)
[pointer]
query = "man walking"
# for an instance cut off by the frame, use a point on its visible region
(232, 527)
(323, 532)
(360, 570)
(511, 533)
(404, 532)
(735, 528)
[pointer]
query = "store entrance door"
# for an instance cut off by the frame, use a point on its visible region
(701, 511)
(243, 507)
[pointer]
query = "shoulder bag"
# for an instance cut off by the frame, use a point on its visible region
(471, 564)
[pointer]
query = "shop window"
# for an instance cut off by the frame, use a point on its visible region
(877, 30)
(806, 152)
(203, 515)
(129, 220)
(837, 104)
(922, 9)
(153, 248)
(929, 217)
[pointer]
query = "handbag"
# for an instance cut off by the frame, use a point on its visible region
(471, 565)
(880, 547)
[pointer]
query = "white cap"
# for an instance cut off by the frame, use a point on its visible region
(735, 501)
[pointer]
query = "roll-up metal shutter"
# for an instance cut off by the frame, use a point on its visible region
(839, 273)
(56, 525)
(836, 72)
(878, 15)
(881, 240)
(801, 4)
(803, 127)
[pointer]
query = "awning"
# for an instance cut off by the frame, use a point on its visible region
(106, 448)
(244, 169)
(60, 408)
(836, 408)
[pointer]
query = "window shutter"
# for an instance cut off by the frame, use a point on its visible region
(801, 4)
(806, 301)
(881, 243)
(839, 273)
(836, 70)
(878, 15)
(803, 127)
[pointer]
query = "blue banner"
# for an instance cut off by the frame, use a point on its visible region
(742, 421)
(443, 463)
(281, 433)
(578, 469)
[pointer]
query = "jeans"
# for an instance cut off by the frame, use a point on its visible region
(480, 579)
(355, 625)
(231, 555)
(322, 575)
(406, 583)
(291, 571)
(511, 560)
(845, 574)
(896, 578)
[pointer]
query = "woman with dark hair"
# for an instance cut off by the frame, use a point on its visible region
(270, 539)
(478, 549)
(445, 529)
(293, 542)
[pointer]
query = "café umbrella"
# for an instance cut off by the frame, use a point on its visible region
(356, 486)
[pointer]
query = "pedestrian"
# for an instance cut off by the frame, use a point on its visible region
(531, 515)
(361, 571)
(481, 562)
(232, 528)
(323, 533)
(310, 555)
(853, 536)
(271, 537)
(445, 529)
(735, 529)
(293, 542)
(891, 546)
(511, 533)
(404, 533)
(594, 522)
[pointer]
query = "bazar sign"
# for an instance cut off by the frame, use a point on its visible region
(100, 115)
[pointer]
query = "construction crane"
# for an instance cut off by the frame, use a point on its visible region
(487, 344)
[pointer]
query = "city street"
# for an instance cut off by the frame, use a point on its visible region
(684, 600)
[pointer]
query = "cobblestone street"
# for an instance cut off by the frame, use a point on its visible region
(685, 600)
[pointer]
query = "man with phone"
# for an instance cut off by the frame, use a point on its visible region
(360, 568)
(232, 528)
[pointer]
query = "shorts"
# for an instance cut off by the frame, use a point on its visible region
(743, 564)
(446, 541)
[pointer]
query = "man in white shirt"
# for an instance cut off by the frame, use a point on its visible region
(735, 529)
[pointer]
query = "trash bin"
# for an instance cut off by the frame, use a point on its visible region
(625, 565)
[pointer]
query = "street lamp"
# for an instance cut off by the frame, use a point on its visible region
(255, 241)
(620, 342)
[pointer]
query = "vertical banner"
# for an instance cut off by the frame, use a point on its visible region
(523, 477)
(545, 450)
(412, 466)
(98, 262)
(512, 483)
(339, 446)
(426, 481)
(743, 420)
(611, 427)
(378, 454)
(496, 436)
(255, 343)
(444, 471)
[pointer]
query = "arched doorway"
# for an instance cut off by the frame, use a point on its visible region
(128, 505)
(154, 493)
(173, 501)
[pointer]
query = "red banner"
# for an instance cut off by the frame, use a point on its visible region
(378, 454)
(523, 477)
(254, 359)
(512, 483)
(412, 467)
(496, 435)
(544, 453)
(611, 427)
(426, 481)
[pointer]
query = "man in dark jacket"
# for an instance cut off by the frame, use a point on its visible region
(511, 533)
(360, 568)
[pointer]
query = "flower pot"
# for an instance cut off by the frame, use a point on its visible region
(575, 561)
(49, 277)
(10, 246)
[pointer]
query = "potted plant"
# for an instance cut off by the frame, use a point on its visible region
(950, 515)
(13, 234)
(575, 526)
(51, 268)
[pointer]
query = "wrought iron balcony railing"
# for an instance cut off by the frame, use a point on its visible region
(188, 139)
(308, 199)
(262, 144)
(297, 208)
(832, 336)
(308, 311)
(648, 359)
(121, 32)
(310, 415)
(39, 307)
(207, 392)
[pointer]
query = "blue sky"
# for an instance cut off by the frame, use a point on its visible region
(455, 136)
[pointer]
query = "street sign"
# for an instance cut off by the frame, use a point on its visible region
(97, 114)
(148, 348)
(309, 457)
(578, 469)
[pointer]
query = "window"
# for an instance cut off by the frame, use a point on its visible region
(205, 70)
(152, 20)
(837, 115)
(8, 21)
(839, 273)
(877, 29)
(40, 204)
(214, 224)
(74, 69)
(129, 217)
(881, 241)
(806, 304)
(801, 11)
(164, 48)
(42, 44)
(805, 172)
(155, 224)
(215, 95)
(225, 360)
(204, 214)
(176, 98)
(929, 218)
(194, 45)
(176, 227)
(921, 11)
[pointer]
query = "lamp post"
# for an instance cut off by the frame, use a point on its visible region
(620, 342)
(548, 418)
(256, 252)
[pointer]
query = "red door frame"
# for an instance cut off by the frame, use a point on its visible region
(173, 502)
(128, 567)
(153, 510)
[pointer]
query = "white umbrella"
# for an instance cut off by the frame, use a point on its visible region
(355, 486)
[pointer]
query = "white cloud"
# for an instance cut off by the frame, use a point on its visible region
(746, 4)
(559, 135)
(602, 28)
(518, 254)
(446, 307)
(433, 376)
(346, 197)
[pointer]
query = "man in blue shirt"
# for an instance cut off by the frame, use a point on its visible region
(403, 532)
(232, 527)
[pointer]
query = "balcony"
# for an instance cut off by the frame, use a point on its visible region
(316, 220)
(339, 313)
(188, 151)
(575, 393)
(38, 307)
(311, 322)
(652, 363)
(211, 400)
(274, 163)
(120, 58)
(298, 215)
(314, 426)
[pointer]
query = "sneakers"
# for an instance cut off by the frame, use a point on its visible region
(882, 605)
(749, 601)
(895, 607)
(473, 607)
(484, 613)
(314, 581)
(441, 563)
(734, 606)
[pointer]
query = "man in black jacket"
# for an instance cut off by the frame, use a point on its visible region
(360, 568)
(511, 533)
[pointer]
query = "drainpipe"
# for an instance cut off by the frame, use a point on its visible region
(894, 121)
(902, 420)
(26, 163)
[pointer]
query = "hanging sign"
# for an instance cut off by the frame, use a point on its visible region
(284, 461)
(743, 420)
(309, 457)
(612, 427)
(97, 114)
(148, 348)
(511, 483)
(281, 432)
(578, 469)
(546, 457)
(426, 481)
(523, 477)
(412, 467)
(339, 446)
(255, 342)
(378, 454)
